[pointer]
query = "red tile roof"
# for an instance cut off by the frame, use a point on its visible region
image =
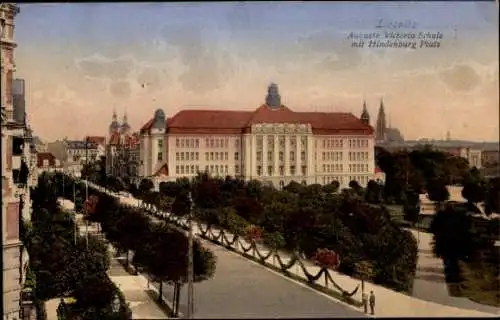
(378, 170)
(234, 122)
(41, 156)
(127, 141)
(96, 139)
(163, 171)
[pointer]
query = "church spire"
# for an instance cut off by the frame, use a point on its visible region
(125, 127)
(365, 116)
(380, 130)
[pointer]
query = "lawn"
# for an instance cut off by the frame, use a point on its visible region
(480, 283)
(396, 213)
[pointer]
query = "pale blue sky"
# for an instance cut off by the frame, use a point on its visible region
(82, 60)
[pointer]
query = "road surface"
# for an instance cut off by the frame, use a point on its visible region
(244, 289)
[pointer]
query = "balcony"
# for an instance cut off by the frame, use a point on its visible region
(17, 145)
(20, 176)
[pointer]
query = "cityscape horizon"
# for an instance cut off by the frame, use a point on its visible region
(439, 76)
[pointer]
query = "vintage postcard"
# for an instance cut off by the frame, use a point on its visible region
(250, 159)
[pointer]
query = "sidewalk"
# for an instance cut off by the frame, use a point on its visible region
(389, 303)
(134, 288)
(430, 283)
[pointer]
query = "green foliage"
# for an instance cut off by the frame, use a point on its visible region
(62, 266)
(160, 249)
(373, 192)
(437, 191)
(417, 169)
(411, 206)
(307, 218)
(474, 191)
(231, 221)
(274, 240)
(146, 186)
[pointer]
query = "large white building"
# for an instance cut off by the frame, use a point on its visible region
(272, 144)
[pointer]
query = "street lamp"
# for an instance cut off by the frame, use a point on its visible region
(190, 260)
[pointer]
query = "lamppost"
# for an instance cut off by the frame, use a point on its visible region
(74, 208)
(190, 260)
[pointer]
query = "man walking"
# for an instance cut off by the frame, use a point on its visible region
(364, 298)
(372, 302)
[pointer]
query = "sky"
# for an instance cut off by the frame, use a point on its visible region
(82, 61)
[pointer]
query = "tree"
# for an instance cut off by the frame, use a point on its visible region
(181, 205)
(373, 192)
(133, 231)
(332, 187)
(474, 192)
(492, 198)
(164, 256)
(169, 189)
(363, 270)
(451, 229)
(354, 185)
(437, 192)
(294, 187)
(411, 207)
(145, 186)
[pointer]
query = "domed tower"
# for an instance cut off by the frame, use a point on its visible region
(365, 116)
(125, 127)
(114, 127)
(159, 119)
(273, 99)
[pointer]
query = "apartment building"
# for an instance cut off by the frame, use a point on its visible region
(16, 171)
(272, 144)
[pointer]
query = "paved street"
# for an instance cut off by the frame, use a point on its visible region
(242, 289)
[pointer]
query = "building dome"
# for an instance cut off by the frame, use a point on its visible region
(159, 119)
(125, 127)
(273, 99)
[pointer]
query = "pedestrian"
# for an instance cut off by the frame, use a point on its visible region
(365, 301)
(372, 302)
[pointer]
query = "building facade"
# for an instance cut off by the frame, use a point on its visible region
(272, 144)
(122, 150)
(16, 167)
(122, 156)
(80, 152)
(490, 157)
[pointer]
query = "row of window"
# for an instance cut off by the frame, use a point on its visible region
(281, 156)
(224, 156)
(209, 156)
(362, 180)
(187, 143)
(293, 171)
(332, 156)
(333, 167)
(358, 156)
(333, 143)
(358, 167)
(358, 143)
(281, 141)
(212, 169)
(209, 143)
(188, 156)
